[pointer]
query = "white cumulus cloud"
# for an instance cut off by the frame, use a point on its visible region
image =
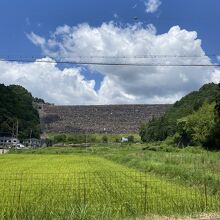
(135, 84)
(46, 80)
(216, 76)
(121, 84)
(152, 5)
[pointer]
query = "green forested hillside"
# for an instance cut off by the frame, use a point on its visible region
(175, 118)
(16, 107)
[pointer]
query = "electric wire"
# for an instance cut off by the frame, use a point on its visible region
(112, 63)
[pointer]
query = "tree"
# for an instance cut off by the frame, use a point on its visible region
(217, 107)
(161, 128)
(16, 106)
(198, 126)
(182, 137)
(213, 142)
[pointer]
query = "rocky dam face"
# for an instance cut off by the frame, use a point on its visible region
(117, 119)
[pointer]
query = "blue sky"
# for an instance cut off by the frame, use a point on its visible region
(18, 18)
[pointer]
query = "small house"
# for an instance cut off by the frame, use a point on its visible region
(33, 142)
(8, 141)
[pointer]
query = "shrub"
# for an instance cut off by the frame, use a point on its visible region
(93, 139)
(117, 140)
(60, 138)
(48, 142)
(131, 138)
(104, 139)
(70, 139)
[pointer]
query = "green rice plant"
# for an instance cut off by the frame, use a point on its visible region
(84, 186)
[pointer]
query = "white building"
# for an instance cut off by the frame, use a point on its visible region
(123, 140)
(34, 142)
(8, 141)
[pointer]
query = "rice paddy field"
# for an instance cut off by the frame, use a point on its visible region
(106, 183)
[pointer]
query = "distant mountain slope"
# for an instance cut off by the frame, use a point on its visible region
(16, 107)
(160, 129)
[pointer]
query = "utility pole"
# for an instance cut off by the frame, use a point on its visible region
(30, 137)
(13, 129)
(4, 142)
(17, 130)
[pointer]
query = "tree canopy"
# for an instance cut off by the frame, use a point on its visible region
(193, 117)
(16, 107)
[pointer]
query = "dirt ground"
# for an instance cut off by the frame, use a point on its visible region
(202, 217)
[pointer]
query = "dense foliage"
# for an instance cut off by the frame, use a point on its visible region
(218, 104)
(74, 138)
(214, 138)
(195, 108)
(197, 126)
(38, 100)
(16, 109)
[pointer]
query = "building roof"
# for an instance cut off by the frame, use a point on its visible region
(32, 139)
(5, 134)
(2, 138)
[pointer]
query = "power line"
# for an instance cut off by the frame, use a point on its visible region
(108, 63)
(119, 56)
